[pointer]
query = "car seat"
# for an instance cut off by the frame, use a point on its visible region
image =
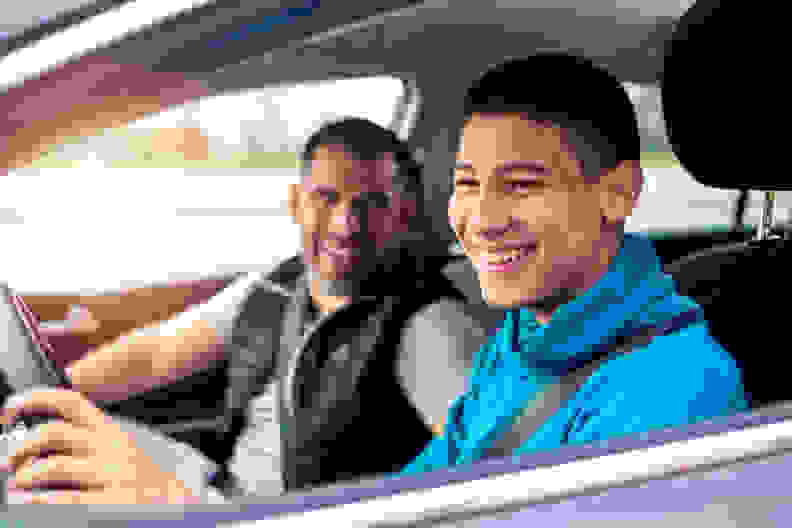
(718, 106)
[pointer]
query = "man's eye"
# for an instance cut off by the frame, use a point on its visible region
(327, 196)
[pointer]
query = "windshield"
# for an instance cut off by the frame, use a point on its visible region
(195, 190)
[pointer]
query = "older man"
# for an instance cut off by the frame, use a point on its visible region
(358, 335)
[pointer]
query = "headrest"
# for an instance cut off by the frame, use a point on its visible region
(461, 272)
(723, 94)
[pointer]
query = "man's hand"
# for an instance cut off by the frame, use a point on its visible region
(86, 451)
(79, 320)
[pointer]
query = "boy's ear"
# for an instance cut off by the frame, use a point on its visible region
(619, 189)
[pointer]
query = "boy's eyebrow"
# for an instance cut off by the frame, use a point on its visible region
(509, 166)
(531, 166)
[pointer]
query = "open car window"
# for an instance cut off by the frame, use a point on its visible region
(191, 191)
(667, 182)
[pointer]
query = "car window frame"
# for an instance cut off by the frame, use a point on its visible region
(772, 430)
(458, 473)
(62, 20)
(512, 483)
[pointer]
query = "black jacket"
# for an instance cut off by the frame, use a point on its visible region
(345, 388)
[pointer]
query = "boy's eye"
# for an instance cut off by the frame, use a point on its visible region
(524, 185)
(466, 182)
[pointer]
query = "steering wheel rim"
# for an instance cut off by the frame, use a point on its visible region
(24, 363)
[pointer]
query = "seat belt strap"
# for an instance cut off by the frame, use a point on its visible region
(548, 403)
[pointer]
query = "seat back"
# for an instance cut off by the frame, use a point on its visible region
(745, 310)
(462, 273)
(740, 285)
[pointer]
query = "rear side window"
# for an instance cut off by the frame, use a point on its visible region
(672, 199)
(194, 190)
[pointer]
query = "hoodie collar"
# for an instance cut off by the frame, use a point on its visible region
(632, 294)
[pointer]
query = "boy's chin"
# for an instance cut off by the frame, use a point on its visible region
(500, 295)
(505, 301)
(510, 299)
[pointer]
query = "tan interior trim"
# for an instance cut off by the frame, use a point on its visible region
(118, 313)
(79, 99)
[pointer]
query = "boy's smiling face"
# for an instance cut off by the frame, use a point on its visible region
(533, 226)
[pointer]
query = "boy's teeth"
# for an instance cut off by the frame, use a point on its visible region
(503, 259)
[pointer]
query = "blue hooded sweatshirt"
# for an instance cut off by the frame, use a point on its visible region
(679, 378)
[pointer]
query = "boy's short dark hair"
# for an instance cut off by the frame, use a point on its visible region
(570, 92)
(367, 141)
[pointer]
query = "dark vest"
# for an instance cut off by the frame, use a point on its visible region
(351, 418)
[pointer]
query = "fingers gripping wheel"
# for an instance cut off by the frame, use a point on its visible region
(14, 435)
(11, 434)
(23, 364)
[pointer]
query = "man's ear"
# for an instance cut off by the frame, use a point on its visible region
(294, 201)
(619, 189)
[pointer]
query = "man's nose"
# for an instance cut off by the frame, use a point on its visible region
(350, 217)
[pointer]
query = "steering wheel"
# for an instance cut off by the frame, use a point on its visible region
(23, 362)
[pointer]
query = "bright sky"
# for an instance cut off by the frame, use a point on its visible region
(70, 229)
(96, 227)
(300, 106)
(108, 228)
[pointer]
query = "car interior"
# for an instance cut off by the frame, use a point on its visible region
(437, 47)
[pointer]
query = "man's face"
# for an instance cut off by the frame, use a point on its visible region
(349, 212)
(522, 210)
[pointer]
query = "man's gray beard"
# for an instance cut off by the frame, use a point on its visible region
(360, 283)
(346, 287)
(353, 284)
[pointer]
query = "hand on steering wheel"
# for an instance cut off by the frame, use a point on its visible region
(84, 450)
